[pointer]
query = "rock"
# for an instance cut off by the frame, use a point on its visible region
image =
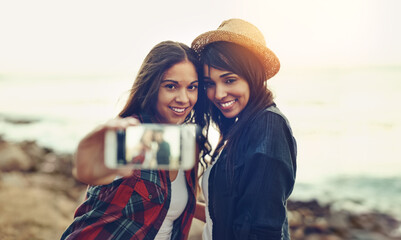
(321, 237)
(39, 195)
(13, 179)
(34, 151)
(331, 237)
(29, 156)
(33, 213)
(309, 220)
(13, 158)
(15, 120)
(338, 221)
(295, 219)
(367, 235)
(297, 233)
(308, 207)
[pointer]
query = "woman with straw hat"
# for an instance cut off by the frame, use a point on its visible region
(253, 167)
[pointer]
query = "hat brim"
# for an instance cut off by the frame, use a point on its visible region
(264, 54)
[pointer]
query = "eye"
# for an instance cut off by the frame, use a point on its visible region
(170, 86)
(193, 87)
(230, 80)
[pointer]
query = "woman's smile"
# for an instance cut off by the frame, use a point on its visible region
(228, 91)
(227, 105)
(179, 110)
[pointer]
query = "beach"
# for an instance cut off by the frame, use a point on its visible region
(38, 196)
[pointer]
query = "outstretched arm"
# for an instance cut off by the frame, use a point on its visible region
(89, 164)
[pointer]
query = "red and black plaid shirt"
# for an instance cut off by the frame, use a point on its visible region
(131, 208)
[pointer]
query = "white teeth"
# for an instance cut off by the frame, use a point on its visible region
(179, 110)
(227, 104)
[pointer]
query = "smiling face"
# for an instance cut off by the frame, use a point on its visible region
(178, 93)
(228, 91)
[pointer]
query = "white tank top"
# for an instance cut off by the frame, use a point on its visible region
(179, 200)
(207, 230)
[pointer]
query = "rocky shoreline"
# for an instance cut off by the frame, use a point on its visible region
(38, 197)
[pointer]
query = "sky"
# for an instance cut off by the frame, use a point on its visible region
(88, 36)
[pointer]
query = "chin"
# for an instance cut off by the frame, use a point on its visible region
(177, 121)
(230, 115)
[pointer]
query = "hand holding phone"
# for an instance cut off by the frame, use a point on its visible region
(89, 165)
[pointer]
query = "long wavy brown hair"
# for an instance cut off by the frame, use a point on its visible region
(143, 95)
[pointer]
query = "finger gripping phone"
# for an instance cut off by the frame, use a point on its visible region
(151, 146)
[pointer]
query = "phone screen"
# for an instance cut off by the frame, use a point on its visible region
(153, 146)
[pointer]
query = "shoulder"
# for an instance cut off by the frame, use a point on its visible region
(138, 117)
(269, 132)
(271, 120)
(274, 113)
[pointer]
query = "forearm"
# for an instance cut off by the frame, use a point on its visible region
(89, 166)
(88, 173)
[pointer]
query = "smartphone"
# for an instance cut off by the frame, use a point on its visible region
(151, 146)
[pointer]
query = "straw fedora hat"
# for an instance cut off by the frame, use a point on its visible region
(245, 34)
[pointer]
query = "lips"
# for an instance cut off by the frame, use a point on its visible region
(178, 110)
(227, 105)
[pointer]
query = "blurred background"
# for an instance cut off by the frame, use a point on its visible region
(66, 66)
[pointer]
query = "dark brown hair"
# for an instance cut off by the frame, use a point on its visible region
(143, 95)
(239, 60)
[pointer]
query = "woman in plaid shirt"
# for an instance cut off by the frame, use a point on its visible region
(140, 204)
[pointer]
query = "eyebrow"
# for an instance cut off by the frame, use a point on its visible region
(221, 76)
(176, 82)
(226, 74)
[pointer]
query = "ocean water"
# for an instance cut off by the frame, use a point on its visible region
(347, 122)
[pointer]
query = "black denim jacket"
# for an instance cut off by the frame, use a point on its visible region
(253, 204)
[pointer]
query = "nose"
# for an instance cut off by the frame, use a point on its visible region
(220, 92)
(182, 96)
